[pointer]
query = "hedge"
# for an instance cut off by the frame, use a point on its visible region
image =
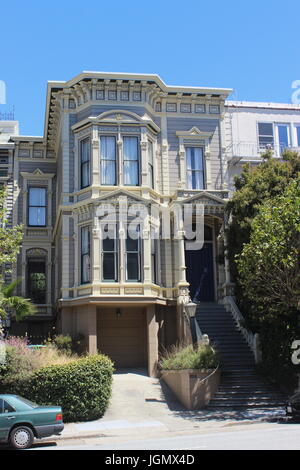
(82, 387)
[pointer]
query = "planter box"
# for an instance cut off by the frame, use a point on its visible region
(194, 388)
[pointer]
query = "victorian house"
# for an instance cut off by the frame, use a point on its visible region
(113, 141)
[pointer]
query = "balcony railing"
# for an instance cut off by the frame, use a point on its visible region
(252, 150)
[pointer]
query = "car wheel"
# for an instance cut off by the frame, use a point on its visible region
(21, 437)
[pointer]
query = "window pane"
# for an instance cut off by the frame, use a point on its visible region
(108, 148)
(7, 408)
(85, 150)
(130, 148)
(194, 158)
(131, 173)
(109, 267)
(265, 128)
(37, 216)
(198, 180)
(108, 172)
(108, 244)
(264, 141)
(85, 240)
(133, 266)
(85, 174)
(132, 245)
(85, 268)
(37, 196)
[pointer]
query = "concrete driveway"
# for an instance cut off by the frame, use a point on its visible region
(144, 406)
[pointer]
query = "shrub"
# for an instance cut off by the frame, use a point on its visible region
(203, 356)
(63, 343)
(82, 387)
(20, 361)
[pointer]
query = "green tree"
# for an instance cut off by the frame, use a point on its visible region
(269, 265)
(269, 274)
(10, 237)
(254, 186)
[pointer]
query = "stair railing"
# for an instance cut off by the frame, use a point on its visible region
(251, 338)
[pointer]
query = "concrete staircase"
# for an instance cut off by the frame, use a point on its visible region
(241, 386)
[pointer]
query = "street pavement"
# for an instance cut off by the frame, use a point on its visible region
(279, 437)
(144, 414)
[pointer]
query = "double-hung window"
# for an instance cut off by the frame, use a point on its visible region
(131, 161)
(133, 255)
(108, 160)
(265, 135)
(85, 255)
(85, 152)
(110, 245)
(37, 207)
(195, 167)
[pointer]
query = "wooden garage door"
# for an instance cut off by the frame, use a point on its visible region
(123, 338)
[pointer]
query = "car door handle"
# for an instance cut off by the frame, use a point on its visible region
(11, 417)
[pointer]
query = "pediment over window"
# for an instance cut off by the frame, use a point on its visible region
(37, 174)
(216, 198)
(117, 196)
(119, 117)
(193, 133)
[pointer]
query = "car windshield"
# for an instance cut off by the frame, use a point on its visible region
(28, 402)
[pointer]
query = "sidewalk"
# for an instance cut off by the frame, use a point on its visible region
(142, 407)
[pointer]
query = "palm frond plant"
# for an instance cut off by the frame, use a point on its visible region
(18, 307)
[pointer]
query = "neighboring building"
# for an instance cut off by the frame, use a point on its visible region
(110, 138)
(253, 127)
(7, 130)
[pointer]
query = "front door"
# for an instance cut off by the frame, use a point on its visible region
(200, 273)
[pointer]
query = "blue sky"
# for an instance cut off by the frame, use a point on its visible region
(252, 47)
